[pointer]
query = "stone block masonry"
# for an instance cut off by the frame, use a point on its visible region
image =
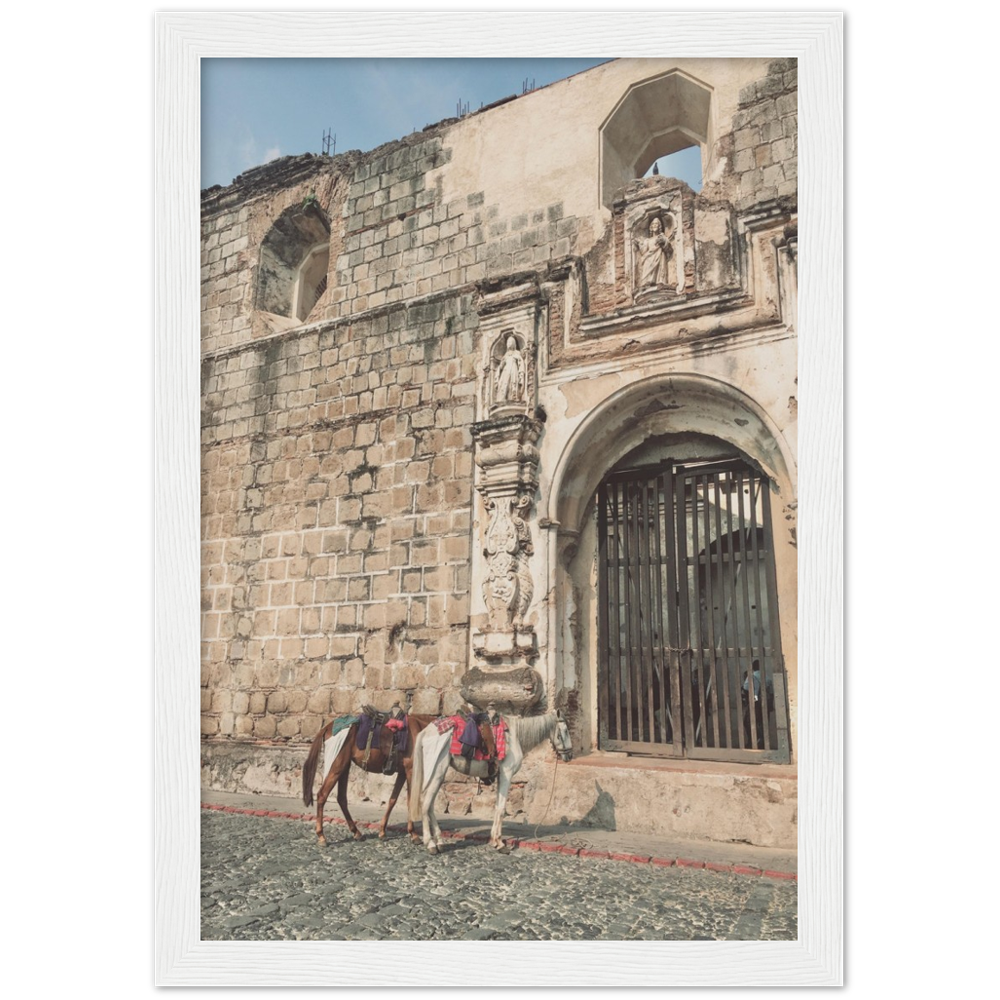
(765, 136)
(404, 240)
(337, 483)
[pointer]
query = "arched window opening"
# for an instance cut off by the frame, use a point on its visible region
(294, 261)
(654, 119)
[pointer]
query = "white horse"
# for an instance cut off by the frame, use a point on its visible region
(431, 760)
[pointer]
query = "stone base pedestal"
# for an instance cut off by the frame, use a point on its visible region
(512, 690)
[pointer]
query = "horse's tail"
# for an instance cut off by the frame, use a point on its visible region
(309, 768)
(417, 779)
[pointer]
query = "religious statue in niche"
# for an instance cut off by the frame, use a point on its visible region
(509, 384)
(509, 374)
(656, 264)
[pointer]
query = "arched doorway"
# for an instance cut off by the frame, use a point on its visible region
(688, 643)
(673, 504)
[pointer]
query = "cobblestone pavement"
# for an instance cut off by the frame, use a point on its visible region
(266, 879)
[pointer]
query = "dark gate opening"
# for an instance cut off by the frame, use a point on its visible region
(690, 654)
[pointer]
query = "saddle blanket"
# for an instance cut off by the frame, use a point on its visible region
(333, 746)
(343, 723)
(457, 725)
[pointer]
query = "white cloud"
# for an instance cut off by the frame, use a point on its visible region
(247, 152)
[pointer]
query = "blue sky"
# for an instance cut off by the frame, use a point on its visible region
(255, 110)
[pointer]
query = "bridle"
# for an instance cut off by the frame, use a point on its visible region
(561, 740)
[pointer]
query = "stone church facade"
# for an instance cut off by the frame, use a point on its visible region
(488, 417)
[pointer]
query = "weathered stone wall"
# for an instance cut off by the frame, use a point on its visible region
(404, 238)
(337, 482)
(765, 136)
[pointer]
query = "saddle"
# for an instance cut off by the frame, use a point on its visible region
(385, 731)
(474, 746)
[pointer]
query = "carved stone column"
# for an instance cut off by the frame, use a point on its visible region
(504, 641)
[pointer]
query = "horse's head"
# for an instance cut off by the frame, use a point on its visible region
(562, 742)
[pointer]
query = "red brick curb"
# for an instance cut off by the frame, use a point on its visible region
(533, 845)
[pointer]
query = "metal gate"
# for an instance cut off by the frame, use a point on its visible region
(690, 653)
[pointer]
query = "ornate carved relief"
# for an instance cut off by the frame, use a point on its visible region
(507, 588)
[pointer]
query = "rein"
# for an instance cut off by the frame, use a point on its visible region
(552, 790)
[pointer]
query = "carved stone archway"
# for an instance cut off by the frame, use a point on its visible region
(674, 406)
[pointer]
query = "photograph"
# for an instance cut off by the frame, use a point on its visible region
(498, 476)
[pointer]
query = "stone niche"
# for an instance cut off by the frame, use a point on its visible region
(674, 244)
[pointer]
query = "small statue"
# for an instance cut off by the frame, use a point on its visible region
(509, 383)
(655, 253)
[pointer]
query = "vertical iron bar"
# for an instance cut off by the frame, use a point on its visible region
(604, 613)
(733, 616)
(681, 613)
(702, 632)
(727, 688)
(761, 592)
(747, 618)
(671, 549)
(615, 676)
(650, 609)
(635, 614)
(662, 656)
(629, 606)
(713, 659)
(640, 597)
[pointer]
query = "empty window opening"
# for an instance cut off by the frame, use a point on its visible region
(310, 283)
(664, 115)
(294, 260)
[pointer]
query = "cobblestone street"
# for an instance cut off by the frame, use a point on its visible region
(266, 879)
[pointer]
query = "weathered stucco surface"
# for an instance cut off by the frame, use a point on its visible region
(397, 495)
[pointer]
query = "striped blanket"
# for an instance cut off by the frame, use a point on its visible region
(457, 724)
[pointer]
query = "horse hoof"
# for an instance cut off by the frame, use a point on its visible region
(432, 849)
(359, 835)
(321, 840)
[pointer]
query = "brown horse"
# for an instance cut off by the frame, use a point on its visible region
(372, 760)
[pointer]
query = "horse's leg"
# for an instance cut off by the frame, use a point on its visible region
(342, 802)
(432, 832)
(410, 827)
(503, 788)
(324, 793)
(508, 768)
(397, 785)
